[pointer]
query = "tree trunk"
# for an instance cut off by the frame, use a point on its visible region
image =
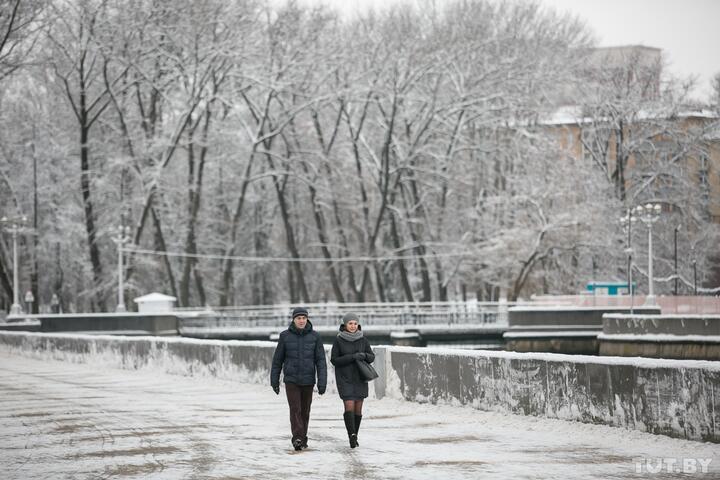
(261, 293)
(442, 286)
(379, 283)
(228, 263)
(291, 284)
(99, 302)
(34, 287)
(355, 138)
(195, 183)
(292, 246)
(323, 237)
(202, 298)
(295, 267)
(161, 246)
(417, 240)
(59, 277)
(320, 222)
(405, 281)
(620, 161)
(526, 269)
(439, 270)
(5, 273)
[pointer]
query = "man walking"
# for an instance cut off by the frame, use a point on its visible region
(300, 355)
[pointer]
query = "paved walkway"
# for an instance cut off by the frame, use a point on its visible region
(62, 420)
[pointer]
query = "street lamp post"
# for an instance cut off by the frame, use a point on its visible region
(15, 225)
(649, 214)
(627, 222)
(122, 237)
(694, 267)
(676, 270)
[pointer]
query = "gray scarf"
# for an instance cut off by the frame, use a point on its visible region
(351, 337)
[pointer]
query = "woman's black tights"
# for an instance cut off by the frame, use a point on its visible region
(354, 406)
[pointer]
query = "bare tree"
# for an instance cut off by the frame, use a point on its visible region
(420, 140)
(78, 64)
(20, 26)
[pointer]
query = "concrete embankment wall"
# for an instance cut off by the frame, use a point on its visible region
(672, 397)
(692, 337)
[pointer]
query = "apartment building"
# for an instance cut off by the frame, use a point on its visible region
(623, 128)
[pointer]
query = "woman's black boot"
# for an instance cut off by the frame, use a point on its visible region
(358, 419)
(349, 418)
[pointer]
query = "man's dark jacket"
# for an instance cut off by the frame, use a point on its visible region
(298, 354)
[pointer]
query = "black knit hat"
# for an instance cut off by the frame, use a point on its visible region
(299, 311)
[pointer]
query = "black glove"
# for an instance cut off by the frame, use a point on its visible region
(276, 389)
(321, 390)
(359, 356)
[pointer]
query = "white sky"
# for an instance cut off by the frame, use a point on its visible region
(687, 30)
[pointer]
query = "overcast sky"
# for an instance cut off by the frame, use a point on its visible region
(687, 30)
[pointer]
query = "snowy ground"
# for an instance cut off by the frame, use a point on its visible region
(62, 420)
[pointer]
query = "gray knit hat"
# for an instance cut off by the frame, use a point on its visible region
(350, 316)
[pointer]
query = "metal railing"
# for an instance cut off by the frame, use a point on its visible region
(371, 314)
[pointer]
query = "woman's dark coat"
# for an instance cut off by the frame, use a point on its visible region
(347, 376)
(299, 354)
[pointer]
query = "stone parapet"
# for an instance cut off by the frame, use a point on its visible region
(690, 337)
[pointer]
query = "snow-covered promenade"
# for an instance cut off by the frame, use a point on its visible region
(67, 420)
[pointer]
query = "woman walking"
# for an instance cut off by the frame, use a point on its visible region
(349, 348)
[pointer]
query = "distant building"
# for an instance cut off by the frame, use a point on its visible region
(618, 86)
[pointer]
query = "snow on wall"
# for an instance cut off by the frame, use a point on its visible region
(705, 325)
(675, 398)
(679, 398)
(241, 361)
(231, 360)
